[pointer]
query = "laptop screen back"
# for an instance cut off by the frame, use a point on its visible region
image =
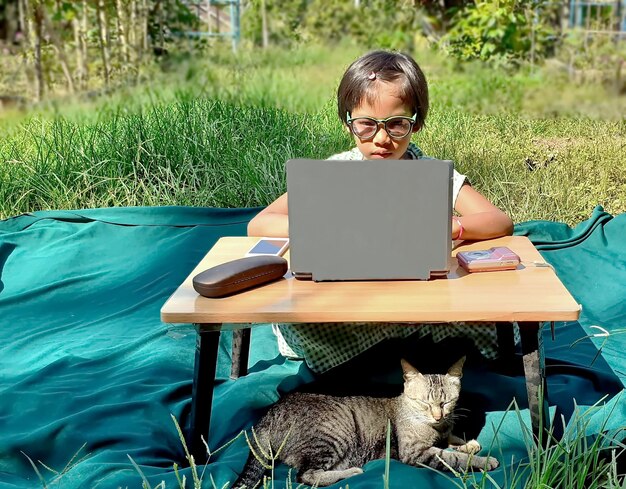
(369, 220)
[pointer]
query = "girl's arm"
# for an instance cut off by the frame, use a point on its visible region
(479, 217)
(271, 221)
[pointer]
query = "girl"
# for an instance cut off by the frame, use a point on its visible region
(382, 100)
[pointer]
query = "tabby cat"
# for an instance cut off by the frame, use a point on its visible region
(330, 438)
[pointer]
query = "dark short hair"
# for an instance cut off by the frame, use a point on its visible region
(358, 86)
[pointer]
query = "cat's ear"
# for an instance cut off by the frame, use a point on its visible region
(457, 369)
(410, 372)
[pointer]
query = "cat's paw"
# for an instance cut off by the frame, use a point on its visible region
(482, 463)
(352, 471)
(321, 478)
(470, 447)
(491, 464)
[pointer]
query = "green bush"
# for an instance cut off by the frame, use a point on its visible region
(583, 52)
(374, 23)
(507, 31)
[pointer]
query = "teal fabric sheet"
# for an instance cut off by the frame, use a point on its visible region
(89, 376)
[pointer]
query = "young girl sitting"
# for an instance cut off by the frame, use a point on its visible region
(382, 100)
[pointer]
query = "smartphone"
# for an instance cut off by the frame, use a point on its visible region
(269, 246)
(498, 258)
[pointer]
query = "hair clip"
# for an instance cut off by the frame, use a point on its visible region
(372, 76)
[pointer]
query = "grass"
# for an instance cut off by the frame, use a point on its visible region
(577, 460)
(217, 133)
(584, 457)
(192, 152)
(273, 78)
(58, 475)
(206, 152)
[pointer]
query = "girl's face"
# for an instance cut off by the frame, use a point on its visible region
(388, 104)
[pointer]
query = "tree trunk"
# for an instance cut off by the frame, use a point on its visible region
(78, 53)
(58, 46)
(158, 9)
(10, 22)
(29, 23)
(105, 24)
(132, 28)
(616, 24)
(36, 38)
(144, 24)
(21, 12)
(121, 20)
(29, 42)
(134, 36)
(84, 26)
(208, 16)
(103, 34)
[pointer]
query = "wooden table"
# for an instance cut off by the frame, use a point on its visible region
(529, 295)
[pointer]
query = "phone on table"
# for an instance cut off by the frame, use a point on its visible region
(269, 246)
(497, 258)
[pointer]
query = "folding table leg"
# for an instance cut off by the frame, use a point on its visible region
(241, 353)
(536, 386)
(506, 347)
(207, 344)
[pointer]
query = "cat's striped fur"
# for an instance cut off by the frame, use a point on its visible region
(330, 438)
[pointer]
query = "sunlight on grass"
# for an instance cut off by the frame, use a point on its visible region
(217, 132)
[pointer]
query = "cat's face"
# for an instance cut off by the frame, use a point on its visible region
(432, 397)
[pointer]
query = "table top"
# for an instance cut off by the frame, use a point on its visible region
(529, 293)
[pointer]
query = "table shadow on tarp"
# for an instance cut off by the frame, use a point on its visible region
(86, 362)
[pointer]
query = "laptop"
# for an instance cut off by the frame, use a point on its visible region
(369, 220)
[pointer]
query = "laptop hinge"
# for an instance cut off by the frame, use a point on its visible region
(439, 274)
(303, 275)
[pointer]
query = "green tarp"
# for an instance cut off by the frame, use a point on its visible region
(90, 376)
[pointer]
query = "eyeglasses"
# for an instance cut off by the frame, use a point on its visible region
(398, 127)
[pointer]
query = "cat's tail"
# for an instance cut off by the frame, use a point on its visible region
(251, 474)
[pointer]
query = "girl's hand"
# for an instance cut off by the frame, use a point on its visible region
(457, 228)
(273, 221)
(480, 218)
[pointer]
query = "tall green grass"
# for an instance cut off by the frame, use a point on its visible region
(217, 132)
(535, 169)
(584, 457)
(205, 152)
(192, 152)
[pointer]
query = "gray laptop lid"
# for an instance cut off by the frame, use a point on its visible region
(369, 220)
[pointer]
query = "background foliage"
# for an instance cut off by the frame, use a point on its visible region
(61, 46)
(68, 46)
(134, 113)
(217, 132)
(504, 31)
(381, 23)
